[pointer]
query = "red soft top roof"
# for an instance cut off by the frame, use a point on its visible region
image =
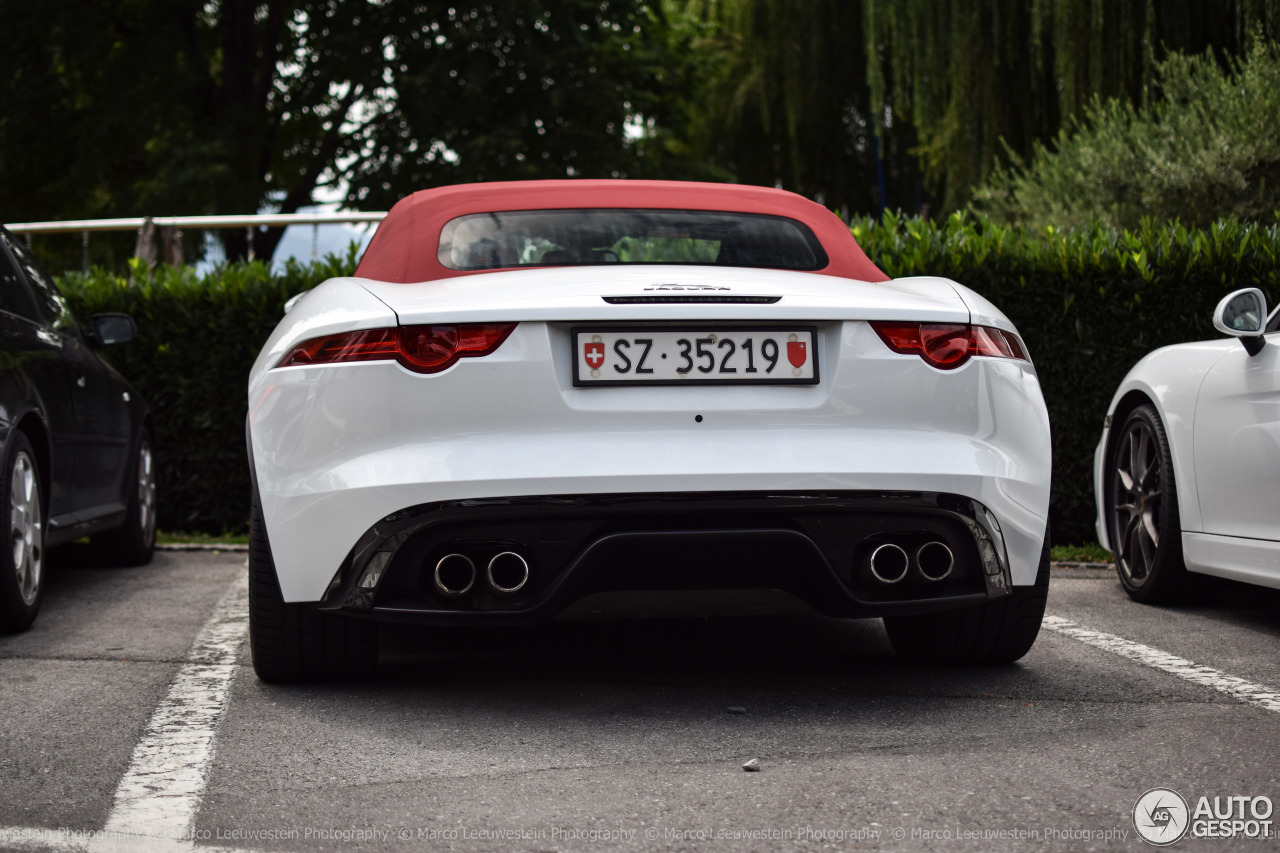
(404, 247)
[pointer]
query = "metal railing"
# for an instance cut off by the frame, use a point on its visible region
(249, 222)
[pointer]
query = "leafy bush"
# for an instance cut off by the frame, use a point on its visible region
(197, 339)
(1089, 302)
(1207, 148)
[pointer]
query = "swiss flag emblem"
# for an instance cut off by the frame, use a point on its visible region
(797, 353)
(594, 354)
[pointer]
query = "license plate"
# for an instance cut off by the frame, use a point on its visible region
(695, 356)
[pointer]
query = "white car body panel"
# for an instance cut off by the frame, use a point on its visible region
(565, 294)
(1248, 560)
(981, 310)
(1237, 444)
(1221, 413)
(1170, 378)
(338, 447)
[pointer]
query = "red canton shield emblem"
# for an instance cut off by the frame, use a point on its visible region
(594, 354)
(797, 353)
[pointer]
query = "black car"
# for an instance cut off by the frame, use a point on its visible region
(76, 437)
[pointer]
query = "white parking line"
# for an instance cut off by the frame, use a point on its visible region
(159, 794)
(156, 800)
(1233, 686)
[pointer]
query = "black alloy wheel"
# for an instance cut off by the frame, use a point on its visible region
(1145, 529)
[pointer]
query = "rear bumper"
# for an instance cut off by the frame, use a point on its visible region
(337, 448)
(815, 546)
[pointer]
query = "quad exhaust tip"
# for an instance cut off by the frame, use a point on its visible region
(507, 574)
(889, 563)
(935, 561)
(455, 575)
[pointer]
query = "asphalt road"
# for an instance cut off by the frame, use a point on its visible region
(618, 735)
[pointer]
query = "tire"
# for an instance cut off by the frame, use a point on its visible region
(1142, 511)
(994, 632)
(22, 560)
(134, 542)
(295, 642)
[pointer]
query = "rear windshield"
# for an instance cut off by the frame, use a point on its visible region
(529, 238)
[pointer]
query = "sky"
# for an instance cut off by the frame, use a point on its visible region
(303, 242)
(306, 242)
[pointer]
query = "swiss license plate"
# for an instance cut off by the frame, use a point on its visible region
(691, 356)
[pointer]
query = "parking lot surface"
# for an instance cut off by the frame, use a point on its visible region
(131, 719)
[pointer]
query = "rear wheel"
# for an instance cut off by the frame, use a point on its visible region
(22, 563)
(1145, 529)
(296, 642)
(134, 542)
(994, 632)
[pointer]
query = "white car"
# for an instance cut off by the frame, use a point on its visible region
(538, 394)
(1187, 474)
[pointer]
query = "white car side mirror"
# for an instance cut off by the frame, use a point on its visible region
(1242, 315)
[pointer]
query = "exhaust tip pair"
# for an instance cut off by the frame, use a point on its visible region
(889, 562)
(506, 574)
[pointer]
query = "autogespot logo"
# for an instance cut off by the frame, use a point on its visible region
(1161, 817)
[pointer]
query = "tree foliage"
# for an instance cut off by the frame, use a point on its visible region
(515, 91)
(867, 103)
(1206, 148)
(776, 104)
(782, 101)
(977, 76)
(162, 107)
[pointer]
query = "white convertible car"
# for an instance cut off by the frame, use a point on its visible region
(1187, 474)
(534, 395)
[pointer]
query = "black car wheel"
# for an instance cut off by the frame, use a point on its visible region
(22, 564)
(994, 632)
(134, 542)
(296, 642)
(1144, 527)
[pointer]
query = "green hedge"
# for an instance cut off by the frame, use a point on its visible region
(197, 339)
(1089, 303)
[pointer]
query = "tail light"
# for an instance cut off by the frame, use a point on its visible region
(946, 346)
(422, 349)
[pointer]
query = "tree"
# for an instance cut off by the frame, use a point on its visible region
(1206, 149)
(850, 102)
(159, 107)
(558, 88)
(783, 98)
(977, 76)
